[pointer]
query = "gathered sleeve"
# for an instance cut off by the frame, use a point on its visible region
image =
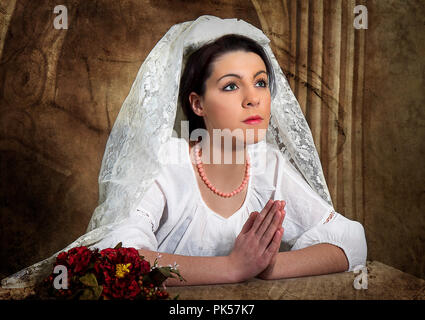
(138, 230)
(311, 220)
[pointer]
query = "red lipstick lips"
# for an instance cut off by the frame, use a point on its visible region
(253, 120)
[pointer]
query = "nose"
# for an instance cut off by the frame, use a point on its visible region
(251, 99)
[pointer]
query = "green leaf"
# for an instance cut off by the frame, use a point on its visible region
(97, 291)
(165, 271)
(89, 280)
(119, 245)
(176, 297)
(175, 271)
(157, 277)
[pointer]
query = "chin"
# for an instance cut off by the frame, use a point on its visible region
(253, 139)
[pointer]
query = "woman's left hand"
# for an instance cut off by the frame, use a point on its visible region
(266, 273)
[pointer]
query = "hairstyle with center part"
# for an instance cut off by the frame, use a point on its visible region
(199, 68)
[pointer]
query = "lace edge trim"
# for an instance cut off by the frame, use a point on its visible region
(330, 217)
(147, 215)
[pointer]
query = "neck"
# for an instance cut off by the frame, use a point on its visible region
(229, 153)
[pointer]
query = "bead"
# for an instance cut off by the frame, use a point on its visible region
(201, 171)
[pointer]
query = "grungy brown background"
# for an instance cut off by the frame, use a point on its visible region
(61, 91)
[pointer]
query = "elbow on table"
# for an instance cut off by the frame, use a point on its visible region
(358, 247)
(349, 235)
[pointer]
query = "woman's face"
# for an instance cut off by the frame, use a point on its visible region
(238, 88)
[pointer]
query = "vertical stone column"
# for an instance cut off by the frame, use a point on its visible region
(321, 53)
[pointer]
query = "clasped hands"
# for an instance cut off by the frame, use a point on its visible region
(257, 245)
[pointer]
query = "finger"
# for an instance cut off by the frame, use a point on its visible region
(279, 231)
(271, 230)
(274, 245)
(263, 214)
(268, 219)
(283, 204)
(267, 207)
(248, 224)
(283, 211)
(278, 237)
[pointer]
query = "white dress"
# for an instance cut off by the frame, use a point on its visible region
(172, 216)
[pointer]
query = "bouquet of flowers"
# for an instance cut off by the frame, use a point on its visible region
(118, 273)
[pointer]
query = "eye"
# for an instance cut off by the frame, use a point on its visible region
(232, 85)
(264, 83)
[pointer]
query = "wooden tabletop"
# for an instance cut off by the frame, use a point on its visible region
(384, 283)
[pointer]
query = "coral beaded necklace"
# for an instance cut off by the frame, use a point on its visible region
(199, 165)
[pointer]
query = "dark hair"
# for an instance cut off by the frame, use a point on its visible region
(199, 68)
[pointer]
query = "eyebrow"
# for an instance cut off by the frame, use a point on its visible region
(238, 76)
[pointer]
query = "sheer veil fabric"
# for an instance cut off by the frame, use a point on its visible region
(145, 123)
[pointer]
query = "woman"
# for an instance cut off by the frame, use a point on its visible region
(220, 222)
(225, 82)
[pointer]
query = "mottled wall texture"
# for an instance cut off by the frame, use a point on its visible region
(360, 90)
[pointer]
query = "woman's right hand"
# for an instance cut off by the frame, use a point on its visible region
(257, 242)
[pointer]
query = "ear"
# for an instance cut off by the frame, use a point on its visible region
(196, 103)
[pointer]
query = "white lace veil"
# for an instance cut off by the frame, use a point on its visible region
(146, 121)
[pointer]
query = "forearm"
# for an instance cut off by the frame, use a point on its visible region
(195, 270)
(322, 258)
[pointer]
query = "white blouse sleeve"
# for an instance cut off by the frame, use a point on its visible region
(138, 229)
(311, 220)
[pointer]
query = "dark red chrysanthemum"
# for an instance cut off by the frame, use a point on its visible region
(120, 285)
